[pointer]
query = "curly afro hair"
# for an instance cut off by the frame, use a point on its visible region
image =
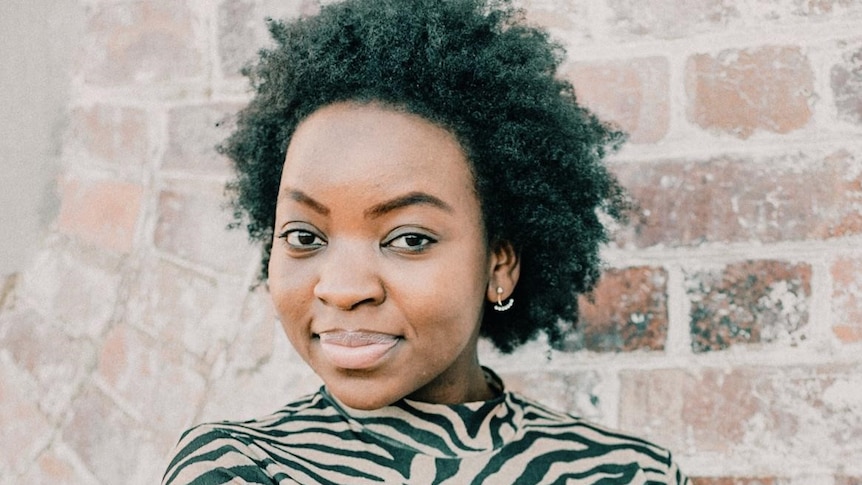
(474, 68)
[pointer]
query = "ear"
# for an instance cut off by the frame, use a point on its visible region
(505, 270)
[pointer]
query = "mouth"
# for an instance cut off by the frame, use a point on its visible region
(356, 350)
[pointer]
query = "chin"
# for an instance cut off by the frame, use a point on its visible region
(363, 394)
(361, 401)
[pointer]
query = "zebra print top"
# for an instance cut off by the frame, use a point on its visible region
(507, 440)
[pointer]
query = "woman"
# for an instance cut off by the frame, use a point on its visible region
(419, 179)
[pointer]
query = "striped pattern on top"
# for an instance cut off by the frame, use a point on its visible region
(508, 440)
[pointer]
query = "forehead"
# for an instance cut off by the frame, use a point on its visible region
(350, 145)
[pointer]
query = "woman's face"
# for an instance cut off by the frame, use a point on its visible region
(380, 265)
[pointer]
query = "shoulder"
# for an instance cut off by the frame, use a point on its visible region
(230, 451)
(604, 446)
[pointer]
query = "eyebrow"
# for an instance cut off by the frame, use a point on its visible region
(306, 200)
(413, 198)
(378, 210)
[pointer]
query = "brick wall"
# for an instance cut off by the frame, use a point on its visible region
(728, 326)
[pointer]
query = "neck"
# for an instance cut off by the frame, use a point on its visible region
(471, 387)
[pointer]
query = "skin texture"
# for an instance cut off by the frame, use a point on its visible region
(379, 230)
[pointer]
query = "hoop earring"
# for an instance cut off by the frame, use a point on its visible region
(500, 306)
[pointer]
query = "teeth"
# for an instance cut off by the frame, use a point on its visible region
(356, 339)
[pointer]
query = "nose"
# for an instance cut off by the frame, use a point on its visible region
(348, 276)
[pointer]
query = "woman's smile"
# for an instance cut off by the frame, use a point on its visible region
(356, 349)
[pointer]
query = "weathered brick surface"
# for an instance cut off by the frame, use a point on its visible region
(194, 133)
(141, 42)
(578, 393)
(796, 413)
(57, 363)
(846, 83)
(182, 308)
(192, 225)
(254, 343)
(100, 212)
(263, 389)
(788, 198)
(734, 481)
(751, 302)
(242, 28)
(847, 299)
(633, 94)
(78, 289)
(823, 9)
(135, 318)
(739, 92)
(152, 377)
(627, 311)
(56, 468)
(109, 135)
(669, 19)
(113, 446)
(566, 18)
(25, 429)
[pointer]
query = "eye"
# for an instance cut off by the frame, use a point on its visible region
(301, 239)
(411, 242)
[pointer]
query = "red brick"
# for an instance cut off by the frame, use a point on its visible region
(739, 92)
(192, 224)
(669, 19)
(143, 42)
(108, 135)
(100, 212)
(725, 200)
(804, 415)
(847, 299)
(846, 83)
(632, 94)
(242, 28)
(627, 311)
(749, 302)
(194, 133)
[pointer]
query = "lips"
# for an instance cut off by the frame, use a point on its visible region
(356, 350)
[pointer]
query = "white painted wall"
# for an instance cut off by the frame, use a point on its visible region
(37, 41)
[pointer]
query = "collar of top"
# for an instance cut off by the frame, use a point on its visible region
(439, 430)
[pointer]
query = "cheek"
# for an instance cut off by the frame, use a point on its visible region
(449, 292)
(292, 306)
(291, 291)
